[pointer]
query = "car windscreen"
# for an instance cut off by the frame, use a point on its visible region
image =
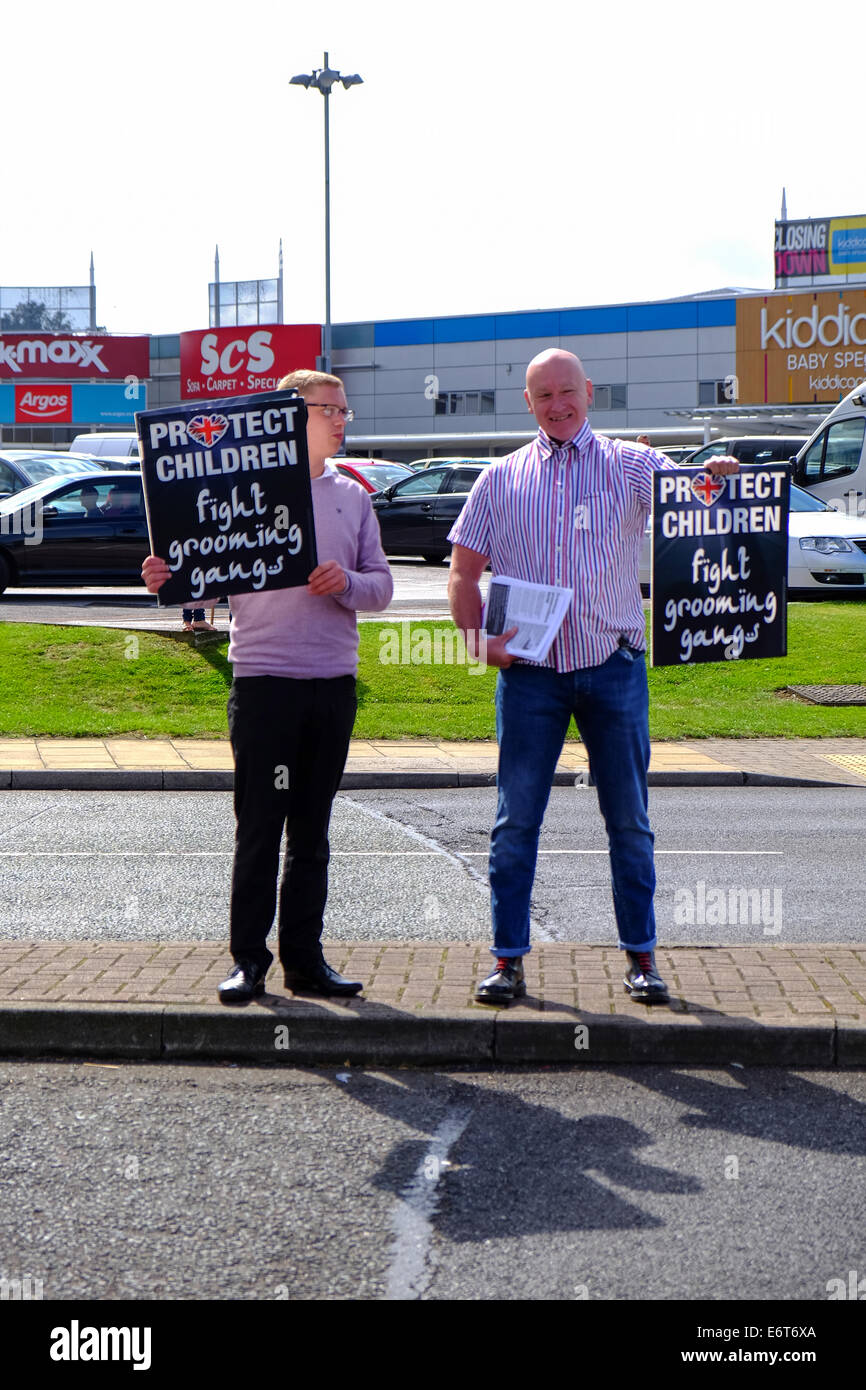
(381, 475)
(53, 466)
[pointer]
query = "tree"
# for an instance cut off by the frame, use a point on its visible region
(32, 316)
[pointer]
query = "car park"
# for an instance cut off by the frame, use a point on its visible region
(373, 474)
(21, 468)
(826, 549)
(87, 529)
(749, 448)
(415, 515)
(120, 450)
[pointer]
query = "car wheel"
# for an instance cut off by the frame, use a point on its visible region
(431, 558)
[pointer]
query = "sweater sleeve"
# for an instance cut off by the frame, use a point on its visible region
(371, 586)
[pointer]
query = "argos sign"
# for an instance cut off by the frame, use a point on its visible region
(239, 361)
(50, 404)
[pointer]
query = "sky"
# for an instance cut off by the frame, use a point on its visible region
(497, 157)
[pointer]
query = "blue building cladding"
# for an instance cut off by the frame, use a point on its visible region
(403, 332)
(464, 330)
(646, 318)
(607, 320)
(717, 313)
(542, 323)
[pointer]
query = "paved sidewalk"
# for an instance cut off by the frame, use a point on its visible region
(206, 764)
(759, 1005)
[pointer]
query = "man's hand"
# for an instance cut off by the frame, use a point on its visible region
(725, 463)
(329, 578)
(154, 572)
(493, 649)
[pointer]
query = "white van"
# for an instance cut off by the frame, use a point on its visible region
(121, 450)
(832, 462)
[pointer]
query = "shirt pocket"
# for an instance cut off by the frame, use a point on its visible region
(592, 514)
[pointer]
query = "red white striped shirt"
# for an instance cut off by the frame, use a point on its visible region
(572, 515)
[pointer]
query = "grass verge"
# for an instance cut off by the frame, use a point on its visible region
(98, 683)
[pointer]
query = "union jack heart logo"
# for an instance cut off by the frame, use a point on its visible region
(207, 429)
(708, 487)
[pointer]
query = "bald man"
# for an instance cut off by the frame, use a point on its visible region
(569, 509)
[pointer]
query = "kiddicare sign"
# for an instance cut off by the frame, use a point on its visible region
(800, 348)
(240, 361)
(818, 251)
(65, 355)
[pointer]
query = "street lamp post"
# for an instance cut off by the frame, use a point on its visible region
(323, 79)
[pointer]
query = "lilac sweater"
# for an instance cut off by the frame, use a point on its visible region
(290, 632)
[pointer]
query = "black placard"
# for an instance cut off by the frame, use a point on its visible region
(227, 492)
(720, 565)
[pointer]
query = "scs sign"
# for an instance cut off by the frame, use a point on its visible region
(40, 355)
(51, 404)
(240, 361)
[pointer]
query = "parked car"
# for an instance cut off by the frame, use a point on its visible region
(832, 463)
(93, 531)
(749, 448)
(416, 464)
(415, 515)
(21, 468)
(120, 450)
(826, 550)
(373, 474)
(678, 453)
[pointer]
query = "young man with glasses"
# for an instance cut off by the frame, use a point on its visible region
(291, 710)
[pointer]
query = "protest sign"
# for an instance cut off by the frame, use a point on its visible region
(720, 564)
(227, 493)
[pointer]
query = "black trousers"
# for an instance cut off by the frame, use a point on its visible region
(290, 740)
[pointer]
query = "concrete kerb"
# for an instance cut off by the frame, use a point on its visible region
(327, 1034)
(222, 779)
(74, 1030)
(278, 1031)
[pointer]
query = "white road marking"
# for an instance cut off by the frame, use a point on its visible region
(456, 856)
(410, 1271)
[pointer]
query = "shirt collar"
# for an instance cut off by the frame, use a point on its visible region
(578, 442)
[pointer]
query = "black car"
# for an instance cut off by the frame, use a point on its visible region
(21, 468)
(89, 529)
(749, 448)
(416, 514)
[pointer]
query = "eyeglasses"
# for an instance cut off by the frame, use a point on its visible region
(332, 410)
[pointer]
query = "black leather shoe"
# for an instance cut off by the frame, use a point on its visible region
(643, 981)
(319, 978)
(507, 982)
(245, 982)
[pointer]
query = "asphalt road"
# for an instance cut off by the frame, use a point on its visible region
(420, 589)
(412, 865)
(229, 1183)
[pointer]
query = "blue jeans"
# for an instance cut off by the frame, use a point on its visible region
(534, 706)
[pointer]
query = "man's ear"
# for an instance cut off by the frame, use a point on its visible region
(588, 391)
(528, 399)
